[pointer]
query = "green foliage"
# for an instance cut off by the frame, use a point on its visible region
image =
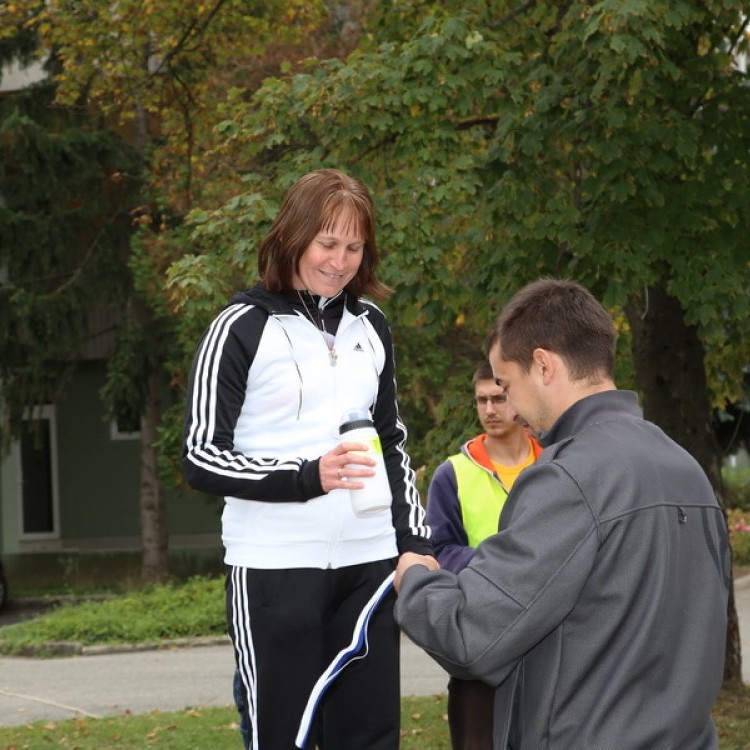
(224, 245)
(737, 500)
(127, 373)
(737, 484)
(604, 142)
(626, 153)
(436, 393)
(65, 191)
(739, 536)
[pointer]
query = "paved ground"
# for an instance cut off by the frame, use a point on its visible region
(137, 682)
(742, 602)
(179, 678)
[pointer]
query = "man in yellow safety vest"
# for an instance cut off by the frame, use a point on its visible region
(464, 501)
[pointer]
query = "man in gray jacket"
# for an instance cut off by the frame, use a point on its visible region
(598, 613)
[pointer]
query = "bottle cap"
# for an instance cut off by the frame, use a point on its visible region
(355, 418)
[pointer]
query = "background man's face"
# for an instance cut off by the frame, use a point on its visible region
(497, 418)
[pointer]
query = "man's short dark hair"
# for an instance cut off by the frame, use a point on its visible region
(483, 372)
(560, 316)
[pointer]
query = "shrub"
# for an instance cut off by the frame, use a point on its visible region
(739, 535)
(737, 486)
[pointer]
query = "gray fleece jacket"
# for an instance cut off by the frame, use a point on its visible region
(599, 611)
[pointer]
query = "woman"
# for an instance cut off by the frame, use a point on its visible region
(271, 379)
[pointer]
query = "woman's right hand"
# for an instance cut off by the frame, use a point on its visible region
(341, 467)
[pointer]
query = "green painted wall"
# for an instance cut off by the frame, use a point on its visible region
(99, 477)
(98, 482)
(8, 502)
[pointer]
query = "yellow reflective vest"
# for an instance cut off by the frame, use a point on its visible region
(481, 494)
(481, 497)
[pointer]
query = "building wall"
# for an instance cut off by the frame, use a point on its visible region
(98, 476)
(99, 517)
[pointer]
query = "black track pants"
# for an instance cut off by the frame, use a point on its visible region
(287, 626)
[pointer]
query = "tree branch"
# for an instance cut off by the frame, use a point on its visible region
(522, 8)
(193, 30)
(470, 122)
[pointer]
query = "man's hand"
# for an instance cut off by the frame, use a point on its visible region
(412, 558)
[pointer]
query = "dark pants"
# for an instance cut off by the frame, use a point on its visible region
(287, 627)
(470, 705)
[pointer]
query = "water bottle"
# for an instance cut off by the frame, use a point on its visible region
(357, 427)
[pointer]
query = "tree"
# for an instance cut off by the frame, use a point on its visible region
(156, 72)
(733, 422)
(602, 141)
(65, 192)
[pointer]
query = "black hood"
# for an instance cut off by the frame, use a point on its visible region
(275, 304)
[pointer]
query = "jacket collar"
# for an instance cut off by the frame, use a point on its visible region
(281, 304)
(595, 408)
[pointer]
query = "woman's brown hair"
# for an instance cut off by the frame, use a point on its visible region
(313, 204)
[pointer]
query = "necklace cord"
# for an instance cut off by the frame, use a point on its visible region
(318, 320)
(320, 324)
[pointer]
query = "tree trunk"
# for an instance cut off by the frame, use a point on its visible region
(670, 375)
(154, 533)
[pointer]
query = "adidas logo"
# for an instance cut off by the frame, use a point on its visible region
(358, 347)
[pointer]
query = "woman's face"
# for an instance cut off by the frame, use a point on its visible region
(332, 259)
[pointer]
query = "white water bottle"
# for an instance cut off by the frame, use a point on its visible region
(357, 427)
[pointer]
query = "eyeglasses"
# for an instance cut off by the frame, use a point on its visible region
(484, 400)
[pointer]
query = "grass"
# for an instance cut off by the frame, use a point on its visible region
(155, 615)
(732, 716)
(423, 727)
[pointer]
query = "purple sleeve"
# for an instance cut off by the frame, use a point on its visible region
(444, 518)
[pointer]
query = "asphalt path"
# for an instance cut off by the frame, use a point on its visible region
(178, 678)
(170, 679)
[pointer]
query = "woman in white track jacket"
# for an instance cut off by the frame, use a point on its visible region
(307, 579)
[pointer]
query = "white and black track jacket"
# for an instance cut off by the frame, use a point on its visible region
(264, 402)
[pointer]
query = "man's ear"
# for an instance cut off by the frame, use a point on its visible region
(545, 363)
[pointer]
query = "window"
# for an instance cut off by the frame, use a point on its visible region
(38, 475)
(123, 430)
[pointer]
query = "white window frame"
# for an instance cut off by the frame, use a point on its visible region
(115, 433)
